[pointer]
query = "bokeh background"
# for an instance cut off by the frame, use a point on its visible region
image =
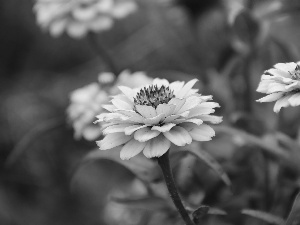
(42, 178)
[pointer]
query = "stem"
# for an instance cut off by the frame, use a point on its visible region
(102, 53)
(164, 164)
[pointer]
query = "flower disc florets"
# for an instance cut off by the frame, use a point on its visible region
(149, 119)
(282, 84)
(296, 73)
(153, 96)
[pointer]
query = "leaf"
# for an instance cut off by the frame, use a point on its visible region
(251, 139)
(216, 211)
(199, 213)
(246, 27)
(212, 163)
(267, 217)
(208, 159)
(145, 169)
(204, 210)
(146, 203)
(294, 216)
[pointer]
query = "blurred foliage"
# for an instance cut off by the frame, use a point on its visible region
(49, 178)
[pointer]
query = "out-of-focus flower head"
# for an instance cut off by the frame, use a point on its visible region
(150, 118)
(87, 102)
(77, 17)
(127, 79)
(282, 84)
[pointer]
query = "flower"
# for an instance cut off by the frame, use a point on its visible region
(282, 84)
(77, 17)
(150, 118)
(86, 102)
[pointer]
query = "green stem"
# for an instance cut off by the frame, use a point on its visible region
(164, 164)
(102, 53)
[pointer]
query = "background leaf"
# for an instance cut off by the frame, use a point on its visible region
(294, 216)
(146, 203)
(145, 169)
(267, 217)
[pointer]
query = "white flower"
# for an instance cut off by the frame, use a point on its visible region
(282, 84)
(149, 119)
(77, 17)
(86, 102)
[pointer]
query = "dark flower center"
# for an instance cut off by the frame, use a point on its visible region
(296, 73)
(153, 96)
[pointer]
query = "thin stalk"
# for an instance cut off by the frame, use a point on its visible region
(247, 98)
(102, 53)
(164, 163)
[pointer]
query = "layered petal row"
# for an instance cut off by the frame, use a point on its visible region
(282, 85)
(152, 129)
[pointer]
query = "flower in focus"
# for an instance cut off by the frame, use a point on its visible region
(150, 118)
(86, 102)
(77, 17)
(282, 84)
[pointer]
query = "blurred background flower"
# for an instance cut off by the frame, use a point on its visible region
(86, 102)
(78, 17)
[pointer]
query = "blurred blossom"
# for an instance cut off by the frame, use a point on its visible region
(150, 118)
(86, 102)
(78, 17)
(134, 80)
(282, 84)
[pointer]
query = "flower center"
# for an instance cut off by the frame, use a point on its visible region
(153, 96)
(296, 73)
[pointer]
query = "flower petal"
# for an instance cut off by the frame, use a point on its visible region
(186, 88)
(131, 129)
(155, 120)
(171, 118)
(178, 103)
(146, 111)
(131, 149)
(282, 102)
(202, 133)
(271, 97)
(193, 120)
(275, 87)
(132, 116)
(145, 134)
(121, 104)
(191, 102)
(178, 136)
(157, 147)
(278, 73)
(113, 140)
(295, 100)
(115, 128)
(200, 110)
(263, 86)
(176, 86)
(212, 119)
(109, 108)
(164, 128)
(167, 109)
(286, 66)
(128, 92)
